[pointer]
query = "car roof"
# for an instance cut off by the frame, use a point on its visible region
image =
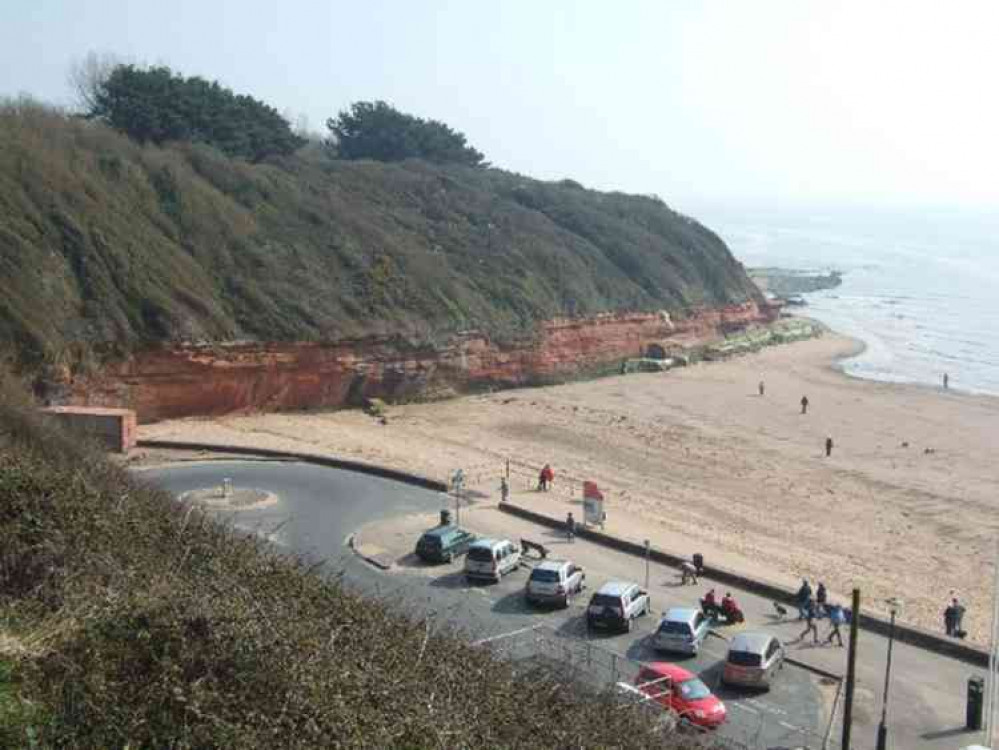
(487, 543)
(551, 565)
(673, 671)
(680, 614)
(615, 588)
(750, 642)
(441, 530)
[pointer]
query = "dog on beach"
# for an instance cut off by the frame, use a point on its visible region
(781, 610)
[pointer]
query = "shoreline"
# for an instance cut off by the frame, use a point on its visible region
(697, 461)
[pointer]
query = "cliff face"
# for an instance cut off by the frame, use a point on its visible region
(180, 381)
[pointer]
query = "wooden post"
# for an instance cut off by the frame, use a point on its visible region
(851, 671)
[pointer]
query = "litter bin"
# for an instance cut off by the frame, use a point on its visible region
(698, 560)
(445, 517)
(976, 699)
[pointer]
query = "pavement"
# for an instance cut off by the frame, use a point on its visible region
(927, 691)
(320, 512)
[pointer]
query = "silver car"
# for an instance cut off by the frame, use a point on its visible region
(682, 629)
(554, 581)
(753, 660)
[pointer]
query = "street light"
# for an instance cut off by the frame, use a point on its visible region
(894, 606)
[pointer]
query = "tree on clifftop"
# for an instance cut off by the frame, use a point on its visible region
(377, 130)
(155, 104)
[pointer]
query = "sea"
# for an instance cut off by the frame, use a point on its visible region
(920, 288)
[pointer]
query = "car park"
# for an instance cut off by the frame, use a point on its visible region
(491, 559)
(443, 543)
(616, 605)
(682, 630)
(554, 581)
(753, 660)
(681, 691)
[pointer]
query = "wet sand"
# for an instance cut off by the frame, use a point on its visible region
(696, 460)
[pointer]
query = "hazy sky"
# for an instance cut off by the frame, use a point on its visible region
(772, 103)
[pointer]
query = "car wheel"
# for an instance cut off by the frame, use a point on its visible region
(629, 624)
(448, 558)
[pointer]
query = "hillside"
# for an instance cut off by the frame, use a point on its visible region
(191, 636)
(108, 247)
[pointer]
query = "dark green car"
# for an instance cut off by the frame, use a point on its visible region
(443, 543)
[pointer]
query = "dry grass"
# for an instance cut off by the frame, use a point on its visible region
(143, 625)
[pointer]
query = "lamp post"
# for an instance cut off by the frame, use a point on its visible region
(894, 605)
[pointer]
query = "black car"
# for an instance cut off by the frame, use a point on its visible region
(443, 543)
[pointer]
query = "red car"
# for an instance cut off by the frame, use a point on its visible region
(677, 689)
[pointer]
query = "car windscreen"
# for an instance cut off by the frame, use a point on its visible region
(545, 576)
(744, 659)
(693, 689)
(605, 600)
(675, 627)
(480, 554)
(433, 541)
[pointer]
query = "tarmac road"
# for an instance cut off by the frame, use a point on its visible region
(318, 508)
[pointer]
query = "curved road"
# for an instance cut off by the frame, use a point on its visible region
(319, 507)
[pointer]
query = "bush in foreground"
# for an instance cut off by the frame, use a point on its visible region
(129, 621)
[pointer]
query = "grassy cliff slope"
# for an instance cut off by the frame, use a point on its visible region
(188, 636)
(106, 245)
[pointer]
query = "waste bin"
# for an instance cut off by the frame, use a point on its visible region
(445, 517)
(976, 699)
(698, 559)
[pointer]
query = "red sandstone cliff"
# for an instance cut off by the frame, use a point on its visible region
(183, 381)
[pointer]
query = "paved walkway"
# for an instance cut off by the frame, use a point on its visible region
(927, 708)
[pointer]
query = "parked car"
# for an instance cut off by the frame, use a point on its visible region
(675, 688)
(753, 660)
(665, 718)
(616, 605)
(554, 581)
(491, 559)
(683, 630)
(443, 543)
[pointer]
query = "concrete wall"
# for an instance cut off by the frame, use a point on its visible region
(114, 428)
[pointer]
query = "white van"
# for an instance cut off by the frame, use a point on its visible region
(491, 559)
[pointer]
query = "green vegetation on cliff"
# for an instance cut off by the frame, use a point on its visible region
(107, 244)
(190, 636)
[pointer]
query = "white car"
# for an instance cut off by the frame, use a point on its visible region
(554, 581)
(491, 559)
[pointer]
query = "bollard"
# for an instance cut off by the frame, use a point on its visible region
(226, 487)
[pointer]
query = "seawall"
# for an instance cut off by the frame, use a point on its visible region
(210, 380)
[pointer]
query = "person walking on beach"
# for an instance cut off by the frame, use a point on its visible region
(950, 617)
(763, 388)
(545, 478)
(570, 527)
(836, 618)
(809, 625)
(829, 446)
(803, 597)
(820, 599)
(804, 404)
(946, 381)
(504, 490)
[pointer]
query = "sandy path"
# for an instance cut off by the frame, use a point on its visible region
(697, 461)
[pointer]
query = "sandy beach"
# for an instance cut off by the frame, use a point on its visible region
(697, 461)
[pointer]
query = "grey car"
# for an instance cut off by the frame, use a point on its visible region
(753, 660)
(682, 629)
(554, 581)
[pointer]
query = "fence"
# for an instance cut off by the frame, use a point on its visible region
(573, 657)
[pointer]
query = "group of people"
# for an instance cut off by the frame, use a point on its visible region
(811, 607)
(545, 478)
(728, 608)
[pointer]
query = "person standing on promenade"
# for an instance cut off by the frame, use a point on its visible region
(504, 490)
(820, 599)
(570, 527)
(950, 617)
(804, 404)
(803, 597)
(829, 446)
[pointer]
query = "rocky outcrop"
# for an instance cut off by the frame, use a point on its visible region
(180, 381)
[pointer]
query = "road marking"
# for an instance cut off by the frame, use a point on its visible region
(512, 633)
(741, 707)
